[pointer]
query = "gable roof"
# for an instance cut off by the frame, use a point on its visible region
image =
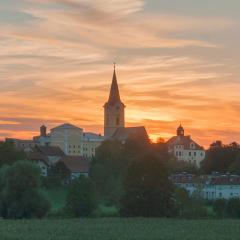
(50, 151)
(66, 126)
(185, 141)
(37, 156)
(125, 133)
(77, 163)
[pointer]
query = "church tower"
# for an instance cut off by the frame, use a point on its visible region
(113, 110)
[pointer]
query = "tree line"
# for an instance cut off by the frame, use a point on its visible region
(132, 176)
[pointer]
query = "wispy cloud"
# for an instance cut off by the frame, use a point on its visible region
(56, 67)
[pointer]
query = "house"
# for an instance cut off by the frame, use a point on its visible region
(53, 154)
(184, 148)
(45, 157)
(22, 144)
(40, 160)
(77, 165)
(222, 186)
(209, 187)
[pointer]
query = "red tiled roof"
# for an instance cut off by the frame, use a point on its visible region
(77, 163)
(184, 141)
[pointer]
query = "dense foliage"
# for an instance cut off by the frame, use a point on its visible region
(58, 175)
(148, 191)
(19, 192)
(110, 165)
(81, 197)
(9, 155)
(223, 158)
(227, 208)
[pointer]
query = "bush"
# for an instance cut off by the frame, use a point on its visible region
(20, 195)
(81, 197)
(219, 207)
(233, 208)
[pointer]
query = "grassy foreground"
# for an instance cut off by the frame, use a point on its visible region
(120, 229)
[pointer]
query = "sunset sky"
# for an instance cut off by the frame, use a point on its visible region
(178, 61)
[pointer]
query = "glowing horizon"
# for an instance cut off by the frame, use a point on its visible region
(177, 62)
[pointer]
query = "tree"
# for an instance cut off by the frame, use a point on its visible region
(81, 197)
(20, 192)
(58, 174)
(9, 154)
(148, 191)
(219, 159)
(219, 207)
(107, 170)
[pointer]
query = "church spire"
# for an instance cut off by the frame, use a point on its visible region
(114, 96)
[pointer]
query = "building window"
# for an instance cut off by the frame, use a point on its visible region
(176, 153)
(180, 154)
(195, 154)
(117, 121)
(190, 154)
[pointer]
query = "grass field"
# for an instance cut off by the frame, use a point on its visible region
(120, 229)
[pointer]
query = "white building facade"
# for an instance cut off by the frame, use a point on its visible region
(183, 148)
(210, 187)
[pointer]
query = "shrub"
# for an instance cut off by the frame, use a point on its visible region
(219, 207)
(233, 208)
(81, 197)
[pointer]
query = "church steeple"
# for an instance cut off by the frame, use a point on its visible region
(114, 116)
(114, 96)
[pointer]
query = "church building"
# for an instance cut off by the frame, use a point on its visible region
(114, 117)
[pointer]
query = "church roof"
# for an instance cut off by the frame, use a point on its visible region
(185, 141)
(114, 96)
(123, 134)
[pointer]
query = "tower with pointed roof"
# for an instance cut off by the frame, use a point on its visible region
(114, 116)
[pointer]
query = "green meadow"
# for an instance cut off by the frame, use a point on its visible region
(120, 229)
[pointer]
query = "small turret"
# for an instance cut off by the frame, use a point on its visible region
(180, 131)
(43, 131)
